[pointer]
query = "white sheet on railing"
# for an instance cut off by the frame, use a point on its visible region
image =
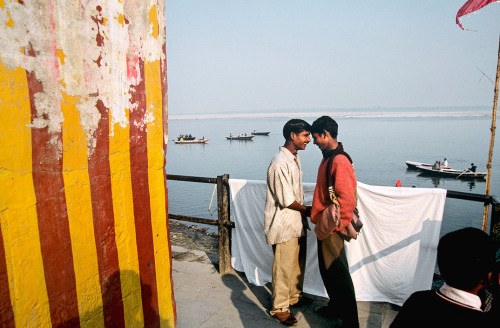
(394, 255)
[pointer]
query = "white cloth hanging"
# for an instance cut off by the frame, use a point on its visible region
(393, 257)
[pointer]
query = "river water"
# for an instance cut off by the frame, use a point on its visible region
(378, 141)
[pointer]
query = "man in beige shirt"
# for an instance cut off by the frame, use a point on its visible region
(284, 217)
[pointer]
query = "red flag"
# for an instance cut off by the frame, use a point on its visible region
(471, 6)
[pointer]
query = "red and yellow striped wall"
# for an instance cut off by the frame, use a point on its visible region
(84, 238)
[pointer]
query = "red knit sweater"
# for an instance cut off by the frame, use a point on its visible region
(345, 187)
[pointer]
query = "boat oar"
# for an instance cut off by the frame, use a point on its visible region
(458, 176)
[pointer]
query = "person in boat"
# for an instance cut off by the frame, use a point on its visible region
(445, 162)
(285, 222)
(332, 259)
(472, 167)
(466, 260)
(437, 166)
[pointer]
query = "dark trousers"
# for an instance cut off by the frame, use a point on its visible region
(334, 271)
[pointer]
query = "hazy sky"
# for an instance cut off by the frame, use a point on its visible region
(265, 55)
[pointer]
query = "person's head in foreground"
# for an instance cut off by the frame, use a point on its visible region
(466, 259)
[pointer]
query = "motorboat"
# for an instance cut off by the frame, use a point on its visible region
(199, 141)
(239, 137)
(261, 133)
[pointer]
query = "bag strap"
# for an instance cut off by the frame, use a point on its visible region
(330, 182)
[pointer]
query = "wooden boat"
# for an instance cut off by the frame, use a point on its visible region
(256, 133)
(199, 141)
(413, 165)
(239, 137)
(466, 174)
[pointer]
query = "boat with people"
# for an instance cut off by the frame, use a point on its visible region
(199, 141)
(240, 137)
(443, 172)
(261, 133)
(184, 137)
(413, 165)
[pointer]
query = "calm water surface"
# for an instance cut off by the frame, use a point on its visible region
(378, 146)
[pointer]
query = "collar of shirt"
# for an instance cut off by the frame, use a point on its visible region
(461, 297)
(290, 156)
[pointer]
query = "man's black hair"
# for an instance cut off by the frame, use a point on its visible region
(295, 125)
(325, 123)
(465, 257)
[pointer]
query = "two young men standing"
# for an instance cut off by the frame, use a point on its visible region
(286, 224)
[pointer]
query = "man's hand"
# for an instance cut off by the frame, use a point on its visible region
(304, 210)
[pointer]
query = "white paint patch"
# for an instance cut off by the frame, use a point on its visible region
(57, 41)
(141, 30)
(32, 31)
(89, 120)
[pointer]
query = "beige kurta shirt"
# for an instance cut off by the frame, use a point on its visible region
(284, 186)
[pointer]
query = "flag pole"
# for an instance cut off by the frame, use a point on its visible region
(492, 141)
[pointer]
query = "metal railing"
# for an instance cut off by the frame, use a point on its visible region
(491, 200)
(224, 223)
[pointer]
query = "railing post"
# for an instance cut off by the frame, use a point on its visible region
(495, 219)
(224, 224)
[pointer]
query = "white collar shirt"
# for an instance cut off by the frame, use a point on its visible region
(460, 297)
(284, 186)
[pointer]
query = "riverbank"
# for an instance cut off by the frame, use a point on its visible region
(193, 237)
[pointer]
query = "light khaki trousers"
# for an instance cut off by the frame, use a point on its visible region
(288, 273)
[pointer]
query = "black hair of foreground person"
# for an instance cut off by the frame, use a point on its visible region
(466, 261)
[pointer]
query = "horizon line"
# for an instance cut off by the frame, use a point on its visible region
(344, 114)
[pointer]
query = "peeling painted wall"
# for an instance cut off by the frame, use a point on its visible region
(83, 131)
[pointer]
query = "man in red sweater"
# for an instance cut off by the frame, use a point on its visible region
(332, 258)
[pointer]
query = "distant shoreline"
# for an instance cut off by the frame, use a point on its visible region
(344, 114)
